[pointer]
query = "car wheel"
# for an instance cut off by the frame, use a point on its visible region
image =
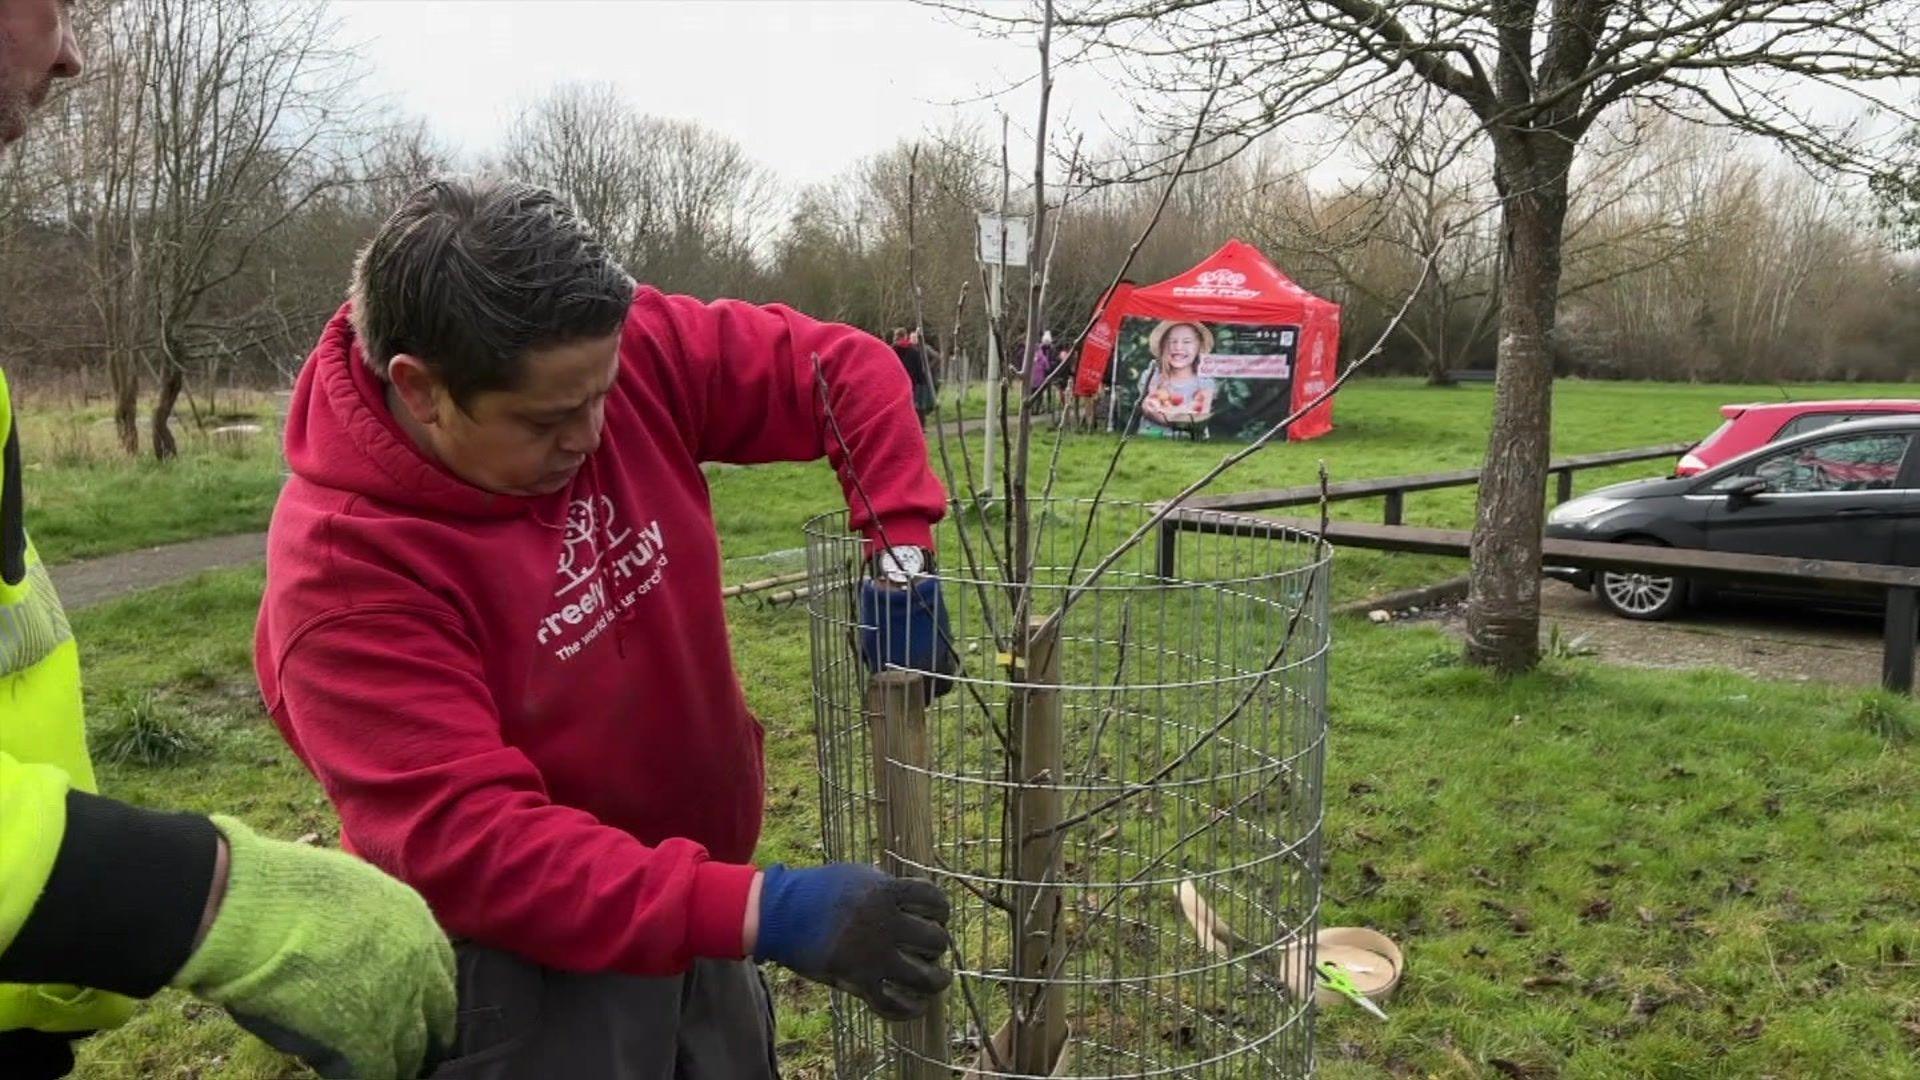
(1634, 595)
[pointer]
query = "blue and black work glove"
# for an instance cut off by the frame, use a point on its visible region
(905, 626)
(857, 929)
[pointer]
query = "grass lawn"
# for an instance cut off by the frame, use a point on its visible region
(1594, 872)
(85, 499)
(1383, 427)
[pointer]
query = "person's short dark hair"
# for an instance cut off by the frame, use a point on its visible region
(472, 275)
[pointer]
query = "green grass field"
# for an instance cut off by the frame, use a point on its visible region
(84, 499)
(1594, 872)
(1383, 427)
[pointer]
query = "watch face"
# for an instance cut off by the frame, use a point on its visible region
(900, 563)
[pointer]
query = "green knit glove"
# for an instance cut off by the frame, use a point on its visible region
(326, 958)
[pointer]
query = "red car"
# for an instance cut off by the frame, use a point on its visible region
(1749, 427)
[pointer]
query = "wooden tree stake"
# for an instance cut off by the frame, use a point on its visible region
(1040, 1018)
(903, 820)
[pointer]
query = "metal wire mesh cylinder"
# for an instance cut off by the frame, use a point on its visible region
(1124, 808)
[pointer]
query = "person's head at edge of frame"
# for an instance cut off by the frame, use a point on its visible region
(1177, 348)
(493, 317)
(37, 46)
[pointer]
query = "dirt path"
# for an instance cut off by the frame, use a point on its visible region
(92, 581)
(1769, 642)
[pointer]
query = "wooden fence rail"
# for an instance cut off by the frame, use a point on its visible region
(1898, 586)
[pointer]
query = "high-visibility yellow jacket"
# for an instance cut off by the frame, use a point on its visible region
(43, 753)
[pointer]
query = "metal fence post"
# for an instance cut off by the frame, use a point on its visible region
(1896, 663)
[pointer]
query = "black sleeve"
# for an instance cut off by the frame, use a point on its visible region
(123, 904)
(13, 525)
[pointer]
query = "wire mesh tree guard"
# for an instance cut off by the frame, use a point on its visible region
(1124, 806)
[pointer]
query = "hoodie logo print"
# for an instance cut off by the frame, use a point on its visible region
(589, 532)
(602, 570)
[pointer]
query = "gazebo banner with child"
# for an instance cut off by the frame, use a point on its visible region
(1225, 351)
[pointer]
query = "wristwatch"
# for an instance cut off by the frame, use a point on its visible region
(902, 563)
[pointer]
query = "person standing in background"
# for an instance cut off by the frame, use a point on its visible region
(1039, 368)
(913, 357)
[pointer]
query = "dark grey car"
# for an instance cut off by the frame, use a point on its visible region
(1850, 492)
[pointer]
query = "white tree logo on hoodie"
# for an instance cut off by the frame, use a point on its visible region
(589, 532)
(602, 571)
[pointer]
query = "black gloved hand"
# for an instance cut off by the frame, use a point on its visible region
(857, 929)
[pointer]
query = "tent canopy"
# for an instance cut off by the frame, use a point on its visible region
(1235, 284)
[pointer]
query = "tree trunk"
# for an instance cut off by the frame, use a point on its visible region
(1503, 593)
(170, 386)
(126, 402)
(1440, 359)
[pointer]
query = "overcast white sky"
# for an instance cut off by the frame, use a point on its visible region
(807, 86)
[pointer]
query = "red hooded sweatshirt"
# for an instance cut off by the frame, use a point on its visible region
(526, 707)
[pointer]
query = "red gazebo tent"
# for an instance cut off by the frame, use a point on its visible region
(1283, 332)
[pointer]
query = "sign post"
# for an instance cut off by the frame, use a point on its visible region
(1003, 243)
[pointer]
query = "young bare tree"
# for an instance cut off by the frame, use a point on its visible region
(1538, 77)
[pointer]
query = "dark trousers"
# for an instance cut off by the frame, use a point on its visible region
(518, 1019)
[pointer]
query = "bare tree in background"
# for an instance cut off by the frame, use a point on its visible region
(1366, 241)
(205, 127)
(682, 206)
(1897, 192)
(1538, 77)
(102, 162)
(716, 208)
(583, 140)
(1433, 205)
(250, 110)
(396, 160)
(847, 238)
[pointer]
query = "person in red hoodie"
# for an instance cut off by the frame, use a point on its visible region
(493, 630)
